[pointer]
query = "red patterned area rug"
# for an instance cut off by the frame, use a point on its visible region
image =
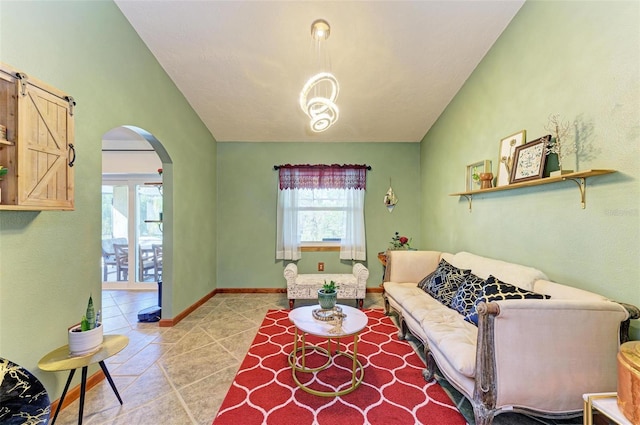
(393, 390)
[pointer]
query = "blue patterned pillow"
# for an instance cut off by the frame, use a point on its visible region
(424, 283)
(464, 300)
(496, 290)
(445, 282)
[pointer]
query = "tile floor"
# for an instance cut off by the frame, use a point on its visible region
(178, 375)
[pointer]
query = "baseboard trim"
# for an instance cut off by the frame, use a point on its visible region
(74, 393)
(167, 323)
(251, 290)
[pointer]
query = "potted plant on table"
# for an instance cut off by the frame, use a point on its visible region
(86, 336)
(328, 295)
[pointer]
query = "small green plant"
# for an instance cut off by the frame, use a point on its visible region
(329, 287)
(88, 321)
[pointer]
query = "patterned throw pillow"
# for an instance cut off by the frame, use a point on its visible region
(464, 300)
(424, 283)
(496, 290)
(445, 282)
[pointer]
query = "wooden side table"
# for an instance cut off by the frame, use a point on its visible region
(382, 257)
(606, 404)
(60, 359)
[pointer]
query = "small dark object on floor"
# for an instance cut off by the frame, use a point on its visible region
(149, 314)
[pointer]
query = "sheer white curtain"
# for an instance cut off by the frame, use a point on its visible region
(353, 245)
(293, 179)
(288, 238)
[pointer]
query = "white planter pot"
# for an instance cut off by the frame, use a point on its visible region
(81, 343)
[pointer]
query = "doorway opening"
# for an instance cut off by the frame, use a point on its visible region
(134, 212)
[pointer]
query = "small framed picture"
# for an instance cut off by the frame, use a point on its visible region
(505, 156)
(528, 160)
(473, 173)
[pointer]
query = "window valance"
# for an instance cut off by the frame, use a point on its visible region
(321, 176)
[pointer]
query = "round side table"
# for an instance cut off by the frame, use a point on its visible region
(60, 359)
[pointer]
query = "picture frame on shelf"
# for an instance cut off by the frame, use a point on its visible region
(475, 169)
(505, 156)
(529, 160)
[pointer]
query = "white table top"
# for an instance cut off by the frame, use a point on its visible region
(607, 403)
(302, 318)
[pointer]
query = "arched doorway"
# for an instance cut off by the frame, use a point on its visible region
(136, 211)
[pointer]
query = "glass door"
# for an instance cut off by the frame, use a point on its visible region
(131, 233)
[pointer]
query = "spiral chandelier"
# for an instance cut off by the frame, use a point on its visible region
(319, 94)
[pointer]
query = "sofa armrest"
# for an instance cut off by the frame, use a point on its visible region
(361, 273)
(290, 273)
(410, 266)
(634, 313)
(544, 354)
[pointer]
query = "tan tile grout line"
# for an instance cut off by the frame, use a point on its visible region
(180, 399)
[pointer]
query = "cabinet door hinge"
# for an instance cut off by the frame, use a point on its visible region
(72, 103)
(23, 78)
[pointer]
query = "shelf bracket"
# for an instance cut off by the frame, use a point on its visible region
(469, 200)
(582, 187)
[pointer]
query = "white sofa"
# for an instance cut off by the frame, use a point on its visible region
(534, 356)
(306, 285)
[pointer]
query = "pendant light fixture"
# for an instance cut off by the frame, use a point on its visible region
(319, 94)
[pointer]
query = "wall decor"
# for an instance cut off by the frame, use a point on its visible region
(473, 173)
(529, 159)
(505, 156)
(390, 198)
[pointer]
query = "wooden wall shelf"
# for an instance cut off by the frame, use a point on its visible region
(579, 178)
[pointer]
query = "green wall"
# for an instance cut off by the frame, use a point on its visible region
(247, 190)
(577, 59)
(50, 261)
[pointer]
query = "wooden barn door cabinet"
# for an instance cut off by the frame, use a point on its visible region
(38, 151)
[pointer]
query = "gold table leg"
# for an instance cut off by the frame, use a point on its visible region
(298, 364)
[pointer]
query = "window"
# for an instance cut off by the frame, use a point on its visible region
(321, 215)
(319, 203)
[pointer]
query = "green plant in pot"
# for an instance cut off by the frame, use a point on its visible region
(86, 336)
(327, 295)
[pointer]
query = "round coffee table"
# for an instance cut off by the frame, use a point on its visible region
(305, 323)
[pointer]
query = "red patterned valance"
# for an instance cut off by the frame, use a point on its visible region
(323, 176)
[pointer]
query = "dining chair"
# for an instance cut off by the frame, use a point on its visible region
(146, 262)
(157, 258)
(109, 255)
(122, 261)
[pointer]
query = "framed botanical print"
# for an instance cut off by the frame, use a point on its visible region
(505, 156)
(529, 160)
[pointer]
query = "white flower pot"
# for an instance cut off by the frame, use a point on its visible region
(81, 343)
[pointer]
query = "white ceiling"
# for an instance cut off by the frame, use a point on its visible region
(241, 64)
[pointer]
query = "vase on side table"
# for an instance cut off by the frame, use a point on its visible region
(84, 342)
